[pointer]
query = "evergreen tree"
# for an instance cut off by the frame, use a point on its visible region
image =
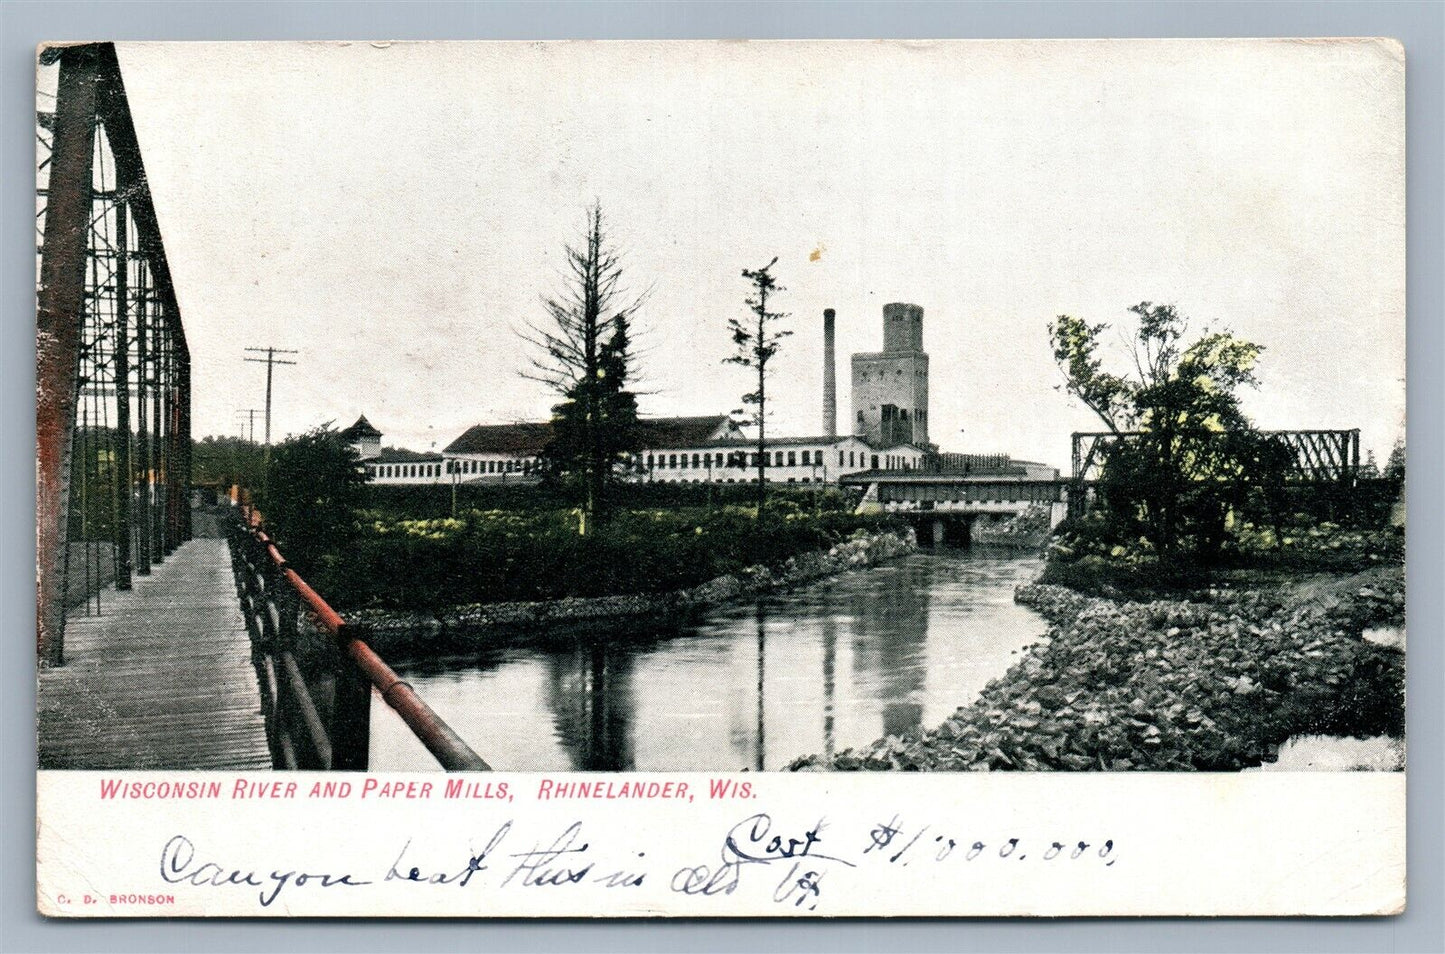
(1395, 464)
(585, 355)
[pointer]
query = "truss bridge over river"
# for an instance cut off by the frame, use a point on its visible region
(951, 493)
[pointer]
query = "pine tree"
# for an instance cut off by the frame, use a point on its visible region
(585, 355)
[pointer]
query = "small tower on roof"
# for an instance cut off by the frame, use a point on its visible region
(364, 437)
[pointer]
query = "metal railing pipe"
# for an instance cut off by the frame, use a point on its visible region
(449, 749)
(439, 738)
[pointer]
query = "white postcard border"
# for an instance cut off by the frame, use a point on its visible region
(650, 844)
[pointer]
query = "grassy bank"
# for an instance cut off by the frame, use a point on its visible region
(534, 552)
(1084, 557)
(469, 626)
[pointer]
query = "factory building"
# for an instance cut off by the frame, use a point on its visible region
(889, 431)
(791, 460)
(399, 466)
(890, 387)
(498, 453)
(676, 450)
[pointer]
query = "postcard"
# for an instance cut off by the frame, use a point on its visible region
(790, 479)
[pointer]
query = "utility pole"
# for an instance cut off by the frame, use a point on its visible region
(269, 361)
(248, 416)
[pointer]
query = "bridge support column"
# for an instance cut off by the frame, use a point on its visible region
(59, 318)
(940, 532)
(350, 727)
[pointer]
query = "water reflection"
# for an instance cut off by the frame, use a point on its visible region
(830, 659)
(890, 635)
(833, 665)
(589, 694)
(760, 748)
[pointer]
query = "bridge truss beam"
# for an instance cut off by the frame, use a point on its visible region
(1316, 456)
(113, 396)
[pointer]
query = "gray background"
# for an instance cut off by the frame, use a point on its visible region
(1421, 26)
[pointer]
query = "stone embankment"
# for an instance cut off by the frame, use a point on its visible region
(389, 630)
(1028, 530)
(1213, 684)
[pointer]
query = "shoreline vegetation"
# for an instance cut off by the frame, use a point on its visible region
(1028, 530)
(511, 563)
(415, 631)
(872, 541)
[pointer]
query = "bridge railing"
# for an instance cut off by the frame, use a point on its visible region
(973, 492)
(316, 681)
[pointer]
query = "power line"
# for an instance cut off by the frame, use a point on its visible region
(269, 361)
(248, 414)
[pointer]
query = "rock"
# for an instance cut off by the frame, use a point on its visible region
(1174, 684)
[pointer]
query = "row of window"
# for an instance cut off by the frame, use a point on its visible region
(682, 461)
(736, 459)
(404, 471)
(493, 466)
(731, 480)
(699, 461)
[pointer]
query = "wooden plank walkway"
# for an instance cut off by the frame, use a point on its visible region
(162, 680)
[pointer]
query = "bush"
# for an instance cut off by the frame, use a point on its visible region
(1086, 555)
(314, 487)
(486, 556)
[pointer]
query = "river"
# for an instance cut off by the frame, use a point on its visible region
(835, 664)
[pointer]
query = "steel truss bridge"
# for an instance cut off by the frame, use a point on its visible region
(1315, 456)
(113, 410)
(967, 487)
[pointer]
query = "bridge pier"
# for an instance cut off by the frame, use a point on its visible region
(937, 529)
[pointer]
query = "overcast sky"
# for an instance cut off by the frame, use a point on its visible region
(395, 212)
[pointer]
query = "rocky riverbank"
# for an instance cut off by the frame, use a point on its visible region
(1026, 531)
(488, 623)
(1214, 683)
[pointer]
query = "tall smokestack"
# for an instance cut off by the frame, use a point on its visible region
(830, 378)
